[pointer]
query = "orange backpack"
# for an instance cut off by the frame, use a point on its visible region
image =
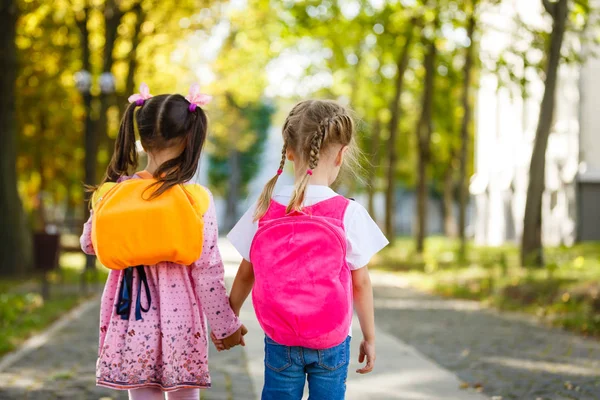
(130, 230)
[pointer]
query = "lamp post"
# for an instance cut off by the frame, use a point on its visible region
(83, 81)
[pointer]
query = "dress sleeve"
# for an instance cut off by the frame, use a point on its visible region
(364, 239)
(243, 232)
(86, 238)
(208, 273)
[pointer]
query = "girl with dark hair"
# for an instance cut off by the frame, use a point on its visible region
(159, 255)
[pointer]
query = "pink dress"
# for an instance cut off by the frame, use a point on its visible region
(168, 347)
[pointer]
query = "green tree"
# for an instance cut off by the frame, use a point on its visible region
(240, 111)
(424, 130)
(531, 245)
(15, 254)
(446, 140)
(258, 121)
(471, 10)
(394, 125)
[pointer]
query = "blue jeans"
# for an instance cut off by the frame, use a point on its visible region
(287, 369)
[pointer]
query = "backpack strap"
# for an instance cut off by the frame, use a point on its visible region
(100, 192)
(334, 207)
(198, 196)
(125, 293)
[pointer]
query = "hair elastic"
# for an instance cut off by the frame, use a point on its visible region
(196, 98)
(141, 97)
(309, 171)
(279, 171)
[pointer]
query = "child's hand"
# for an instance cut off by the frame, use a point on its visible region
(235, 339)
(217, 342)
(367, 349)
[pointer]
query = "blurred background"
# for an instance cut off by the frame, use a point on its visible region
(478, 120)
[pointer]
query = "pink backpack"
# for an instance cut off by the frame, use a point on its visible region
(303, 288)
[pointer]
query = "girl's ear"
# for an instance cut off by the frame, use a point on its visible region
(289, 154)
(339, 159)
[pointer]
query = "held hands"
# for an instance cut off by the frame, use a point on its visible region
(367, 350)
(229, 342)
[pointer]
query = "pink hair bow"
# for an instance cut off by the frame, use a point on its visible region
(196, 98)
(142, 96)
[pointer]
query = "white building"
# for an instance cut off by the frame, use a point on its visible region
(505, 131)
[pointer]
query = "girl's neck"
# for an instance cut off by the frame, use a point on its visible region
(155, 160)
(152, 166)
(318, 177)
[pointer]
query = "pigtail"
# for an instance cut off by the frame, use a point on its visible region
(124, 156)
(183, 168)
(313, 160)
(264, 201)
(125, 153)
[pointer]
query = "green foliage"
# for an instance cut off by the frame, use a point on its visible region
(363, 49)
(23, 311)
(566, 294)
(23, 314)
(49, 107)
(258, 118)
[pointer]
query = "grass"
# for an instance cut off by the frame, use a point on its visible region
(23, 311)
(566, 293)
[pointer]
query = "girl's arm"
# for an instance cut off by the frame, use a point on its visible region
(208, 273)
(242, 285)
(363, 304)
(86, 238)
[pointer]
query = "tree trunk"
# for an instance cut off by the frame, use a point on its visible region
(531, 244)
(131, 63)
(15, 238)
(464, 134)
(390, 195)
(371, 187)
(90, 139)
(41, 218)
(423, 131)
(449, 220)
(421, 226)
(135, 42)
(112, 20)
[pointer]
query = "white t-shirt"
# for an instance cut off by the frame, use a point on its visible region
(363, 237)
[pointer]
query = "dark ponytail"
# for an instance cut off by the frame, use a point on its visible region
(124, 158)
(182, 168)
(162, 121)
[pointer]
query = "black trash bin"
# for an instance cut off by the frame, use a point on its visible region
(46, 250)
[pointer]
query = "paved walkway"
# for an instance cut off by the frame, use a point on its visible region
(401, 372)
(426, 348)
(509, 356)
(61, 365)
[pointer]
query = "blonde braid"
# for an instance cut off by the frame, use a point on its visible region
(315, 149)
(264, 201)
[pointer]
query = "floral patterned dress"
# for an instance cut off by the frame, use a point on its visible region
(168, 347)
